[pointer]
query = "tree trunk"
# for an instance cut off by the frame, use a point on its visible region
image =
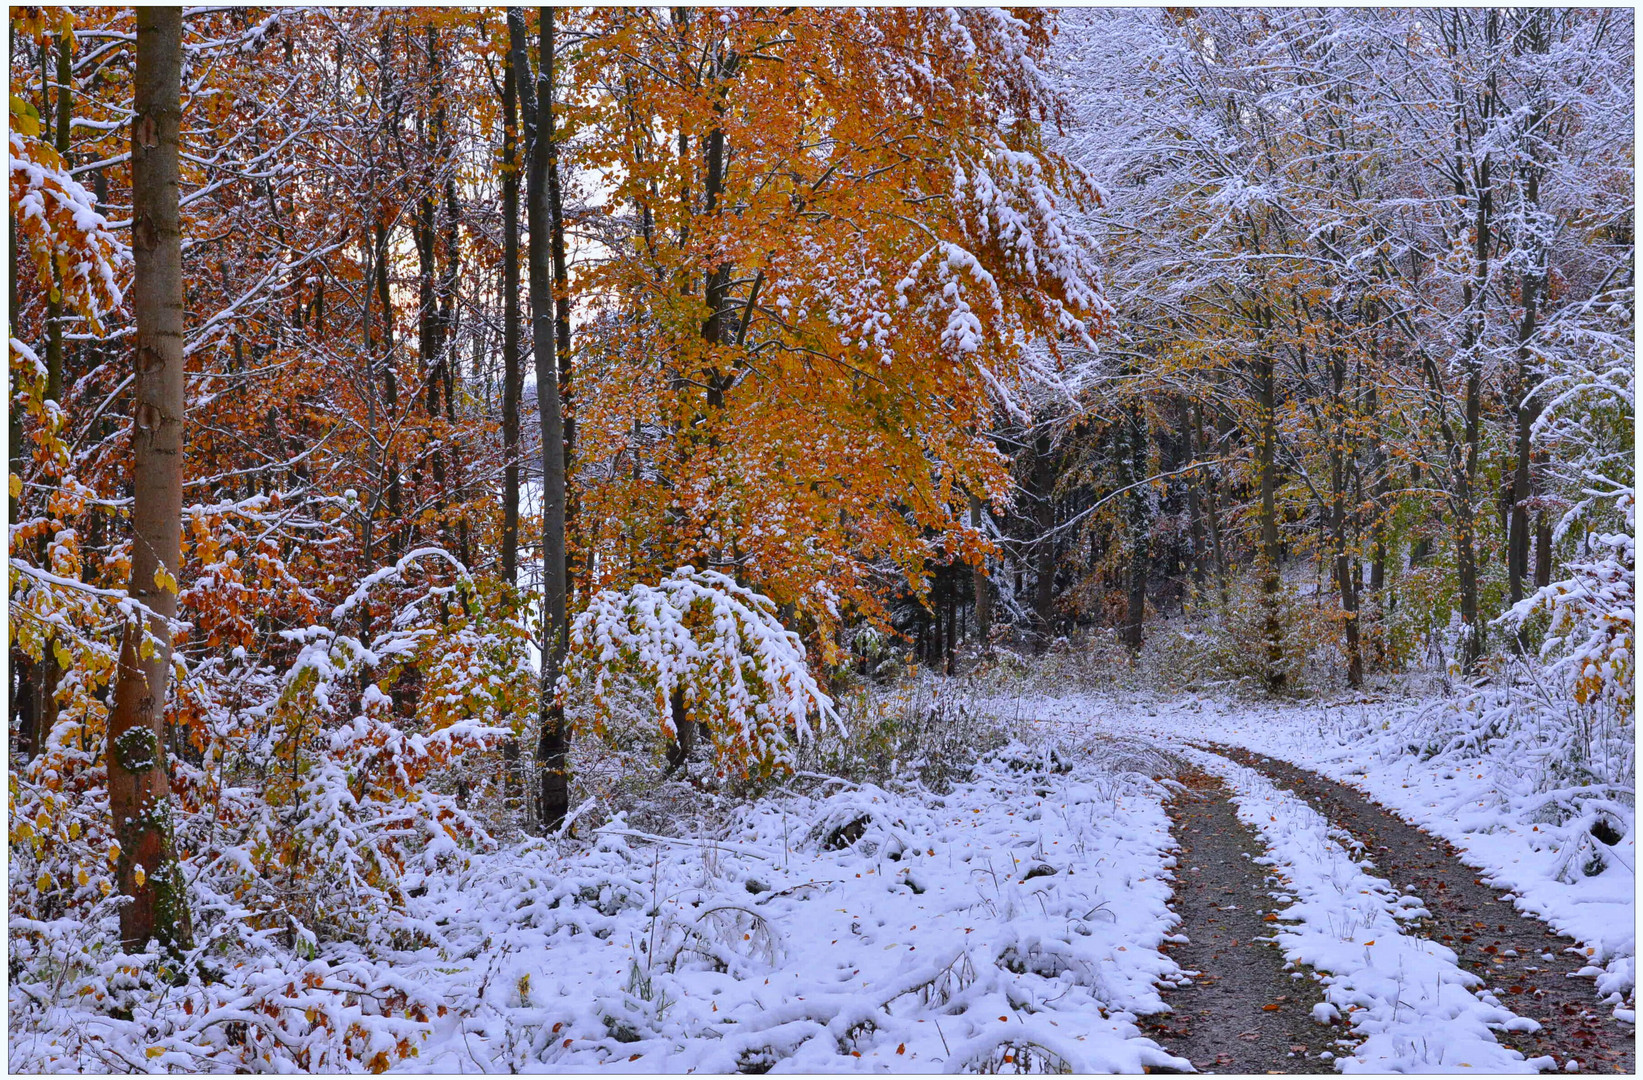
(932, 611)
(138, 783)
(553, 742)
(1377, 566)
(40, 679)
(512, 375)
(561, 317)
(1464, 458)
(432, 320)
(390, 392)
(54, 308)
(1543, 551)
(1044, 553)
(1195, 512)
(684, 739)
(1525, 410)
(1130, 446)
(1346, 571)
(983, 585)
(1212, 514)
(1525, 406)
(1271, 580)
(14, 417)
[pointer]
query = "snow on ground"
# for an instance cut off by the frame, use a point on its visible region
(1406, 998)
(1485, 803)
(1012, 923)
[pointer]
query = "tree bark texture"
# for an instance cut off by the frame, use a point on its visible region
(138, 783)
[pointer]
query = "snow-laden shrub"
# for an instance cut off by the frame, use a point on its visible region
(1591, 644)
(925, 728)
(716, 649)
(315, 792)
(1229, 643)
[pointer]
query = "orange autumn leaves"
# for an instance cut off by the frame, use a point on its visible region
(848, 228)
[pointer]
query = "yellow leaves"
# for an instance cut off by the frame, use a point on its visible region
(155, 1051)
(16, 486)
(43, 882)
(42, 24)
(81, 877)
(140, 876)
(25, 117)
(164, 580)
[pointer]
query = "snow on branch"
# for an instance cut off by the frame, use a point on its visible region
(1594, 616)
(60, 226)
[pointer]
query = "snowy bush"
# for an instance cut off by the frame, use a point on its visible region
(714, 649)
(1226, 642)
(922, 729)
(1591, 642)
(316, 792)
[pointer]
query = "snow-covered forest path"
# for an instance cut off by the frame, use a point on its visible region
(1241, 1012)
(1110, 895)
(1431, 967)
(1523, 962)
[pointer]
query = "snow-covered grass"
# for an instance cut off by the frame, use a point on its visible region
(948, 903)
(1012, 922)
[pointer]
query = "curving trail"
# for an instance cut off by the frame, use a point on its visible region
(1527, 967)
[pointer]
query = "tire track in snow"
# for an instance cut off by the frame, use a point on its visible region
(1241, 1012)
(1524, 963)
(1405, 997)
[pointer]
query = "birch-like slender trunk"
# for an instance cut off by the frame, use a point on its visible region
(553, 741)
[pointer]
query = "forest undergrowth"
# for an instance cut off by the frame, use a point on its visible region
(489, 941)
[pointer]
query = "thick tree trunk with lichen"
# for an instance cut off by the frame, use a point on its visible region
(139, 787)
